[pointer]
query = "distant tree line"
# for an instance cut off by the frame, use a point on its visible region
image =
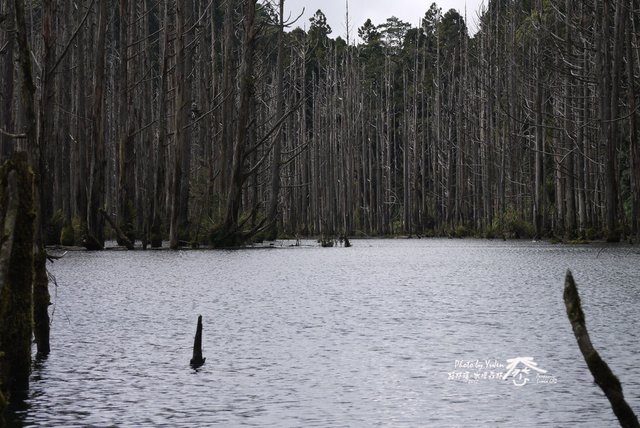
(208, 121)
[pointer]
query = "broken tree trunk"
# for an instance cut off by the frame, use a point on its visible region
(16, 275)
(601, 372)
(122, 237)
(197, 359)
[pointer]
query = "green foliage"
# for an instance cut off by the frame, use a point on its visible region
(369, 34)
(326, 242)
(79, 228)
(431, 20)
(393, 32)
(54, 228)
(491, 232)
(593, 234)
(220, 238)
(67, 236)
(4, 403)
(579, 241)
(127, 222)
(460, 231)
(513, 226)
(318, 40)
(319, 26)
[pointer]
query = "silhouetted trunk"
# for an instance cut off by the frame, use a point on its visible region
(197, 360)
(238, 177)
(126, 143)
(272, 213)
(7, 81)
(634, 144)
(538, 204)
(159, 190)
(16, 270)
(179, 227)
(96, 187)
(600, 370)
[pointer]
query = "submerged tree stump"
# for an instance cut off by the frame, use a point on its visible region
(16, 276)
(601, 372)
(197, 360)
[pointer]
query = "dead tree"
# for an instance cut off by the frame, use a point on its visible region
(197, 360)
(95, 224)
(601, 372)
(238, 173)
(180, 186)
(16, 275)
(272, 214)
(35, 148)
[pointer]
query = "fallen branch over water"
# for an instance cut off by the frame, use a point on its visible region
(601, 372)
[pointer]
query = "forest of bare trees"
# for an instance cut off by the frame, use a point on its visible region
(222, 121)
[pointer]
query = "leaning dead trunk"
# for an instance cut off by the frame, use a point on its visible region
(123, 239)
(601, 372)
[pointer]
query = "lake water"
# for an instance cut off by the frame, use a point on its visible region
(379, 334)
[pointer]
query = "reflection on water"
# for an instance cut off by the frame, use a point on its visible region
(309, 336)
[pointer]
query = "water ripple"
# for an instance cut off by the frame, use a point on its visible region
(364, 336)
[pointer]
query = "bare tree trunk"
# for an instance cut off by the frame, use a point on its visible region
(41, 298)
(634, 144)
(600, 370)
(228, 92)
(238, 176)
(16, 268)
(612, 71)
(179, 218)
(272, 213)
(159, 190)
(7, 81)
(95, 222)
(538, 205)
(568, 134)
(126, 144)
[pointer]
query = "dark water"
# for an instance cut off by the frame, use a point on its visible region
(363, 336)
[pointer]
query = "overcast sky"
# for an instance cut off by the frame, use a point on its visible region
(378, 11)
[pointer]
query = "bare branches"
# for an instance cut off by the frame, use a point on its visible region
(71, 39)
(12, 135)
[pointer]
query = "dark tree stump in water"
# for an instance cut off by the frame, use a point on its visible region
(197, 359)
(601, 372)
(16, 277)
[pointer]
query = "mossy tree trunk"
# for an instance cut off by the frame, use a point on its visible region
(35, 147)
(16, 275)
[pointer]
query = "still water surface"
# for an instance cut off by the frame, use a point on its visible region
(331, 337)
